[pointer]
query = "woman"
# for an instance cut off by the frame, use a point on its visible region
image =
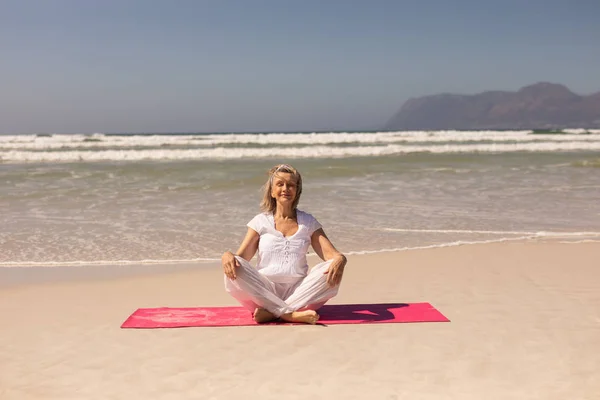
(280, 286)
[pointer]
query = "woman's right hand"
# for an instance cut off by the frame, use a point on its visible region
(230, 263)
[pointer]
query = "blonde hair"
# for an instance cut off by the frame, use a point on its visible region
(268, 203)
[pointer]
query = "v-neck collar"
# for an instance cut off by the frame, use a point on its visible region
(271, 219)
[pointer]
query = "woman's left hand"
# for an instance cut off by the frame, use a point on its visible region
(336, 270)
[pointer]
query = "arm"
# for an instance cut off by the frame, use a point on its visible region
(249, 245)
(323, 246)
(325, 249)
(247, 250)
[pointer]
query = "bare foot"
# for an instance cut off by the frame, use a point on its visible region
(261, 316)
(305, 317)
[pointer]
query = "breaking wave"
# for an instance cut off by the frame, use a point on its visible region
(107, 147)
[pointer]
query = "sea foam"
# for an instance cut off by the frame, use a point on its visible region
(290, 152)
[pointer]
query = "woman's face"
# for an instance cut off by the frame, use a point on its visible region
(284, 188)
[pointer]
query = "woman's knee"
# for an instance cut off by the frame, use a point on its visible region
(242, 261)
(322, 267)
(243, 267)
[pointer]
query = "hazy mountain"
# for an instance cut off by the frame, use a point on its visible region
(540, 106)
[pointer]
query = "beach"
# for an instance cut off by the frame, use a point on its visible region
(441, 163)
(498, 230)
(525, 323)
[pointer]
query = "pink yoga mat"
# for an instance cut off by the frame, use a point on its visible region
(237, 316)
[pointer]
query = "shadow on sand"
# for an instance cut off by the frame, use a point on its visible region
(358, 312)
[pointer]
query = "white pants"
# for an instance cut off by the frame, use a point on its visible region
(254, 290)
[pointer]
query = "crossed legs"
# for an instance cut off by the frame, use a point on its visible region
(268, 300)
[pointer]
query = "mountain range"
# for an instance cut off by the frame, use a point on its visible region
(542, 105)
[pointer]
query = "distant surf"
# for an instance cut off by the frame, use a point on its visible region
(165, 147)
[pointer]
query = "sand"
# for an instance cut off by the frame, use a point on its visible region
(525, 324)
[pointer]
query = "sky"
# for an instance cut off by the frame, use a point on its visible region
(83, 66)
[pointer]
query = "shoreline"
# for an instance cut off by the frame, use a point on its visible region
(16, 276)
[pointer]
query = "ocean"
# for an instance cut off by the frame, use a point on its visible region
(84, 200)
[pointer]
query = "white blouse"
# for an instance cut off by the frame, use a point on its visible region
(283, 259)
